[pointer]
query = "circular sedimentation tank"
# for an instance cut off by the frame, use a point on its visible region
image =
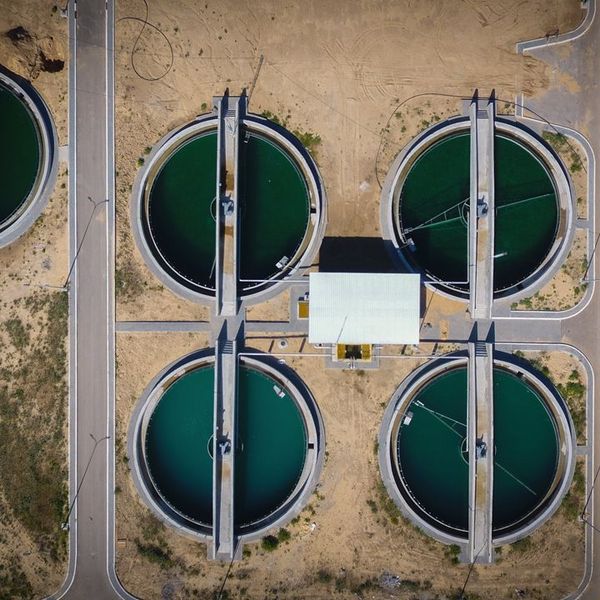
(281, 208)
(428, 208)
(426, 460)
(27, 158)
(277, 445)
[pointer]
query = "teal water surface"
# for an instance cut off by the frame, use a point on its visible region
(433, 458)
(271, 444)
(269, 455)
(526, 450)
(19, 154)
(430, 450)
(177, 444)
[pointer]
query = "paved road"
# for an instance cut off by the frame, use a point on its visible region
(91, 568)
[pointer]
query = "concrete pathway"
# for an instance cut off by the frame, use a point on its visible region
(481, 454)
(227, 237)
(482, 209)
(224, 446)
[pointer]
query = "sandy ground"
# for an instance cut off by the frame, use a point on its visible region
(47, 31)
(38, 258)
(563, 368)
(275, 309)
(346, 540)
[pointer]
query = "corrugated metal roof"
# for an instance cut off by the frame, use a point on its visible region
(364, 308)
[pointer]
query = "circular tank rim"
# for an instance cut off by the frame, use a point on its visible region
(315, 229)
(539, 150)
(313, 461)
(405, 393)
(23, 218)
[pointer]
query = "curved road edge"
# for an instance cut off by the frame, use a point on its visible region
(580, 30)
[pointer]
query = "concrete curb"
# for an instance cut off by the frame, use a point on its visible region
(591, 185)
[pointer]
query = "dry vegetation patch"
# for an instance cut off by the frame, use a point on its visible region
(566, 289)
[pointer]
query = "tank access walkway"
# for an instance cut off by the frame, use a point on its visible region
(230, 114)
(480, 444)
(482, 208)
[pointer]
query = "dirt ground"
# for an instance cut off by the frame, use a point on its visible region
(565, 290)
(33, 319)
(570, 377)
(350, 536)
(362, 76)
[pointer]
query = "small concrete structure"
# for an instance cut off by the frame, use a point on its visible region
(364, 308)
(482, 209)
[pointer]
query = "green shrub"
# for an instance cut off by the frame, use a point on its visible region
(155, 554)
(269, 543)
(19, 336)
(522, 545)
(283, 535)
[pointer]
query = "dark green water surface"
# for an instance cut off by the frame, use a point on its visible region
(181, 209)
(274, 209)
(433, 459)
(270, 450)
(434, 207)
(526, 213)
(434, 201)
(19, 154)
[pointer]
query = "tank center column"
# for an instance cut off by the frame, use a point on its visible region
(230, 111)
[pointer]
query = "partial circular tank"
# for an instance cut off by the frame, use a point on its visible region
(27, 157)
